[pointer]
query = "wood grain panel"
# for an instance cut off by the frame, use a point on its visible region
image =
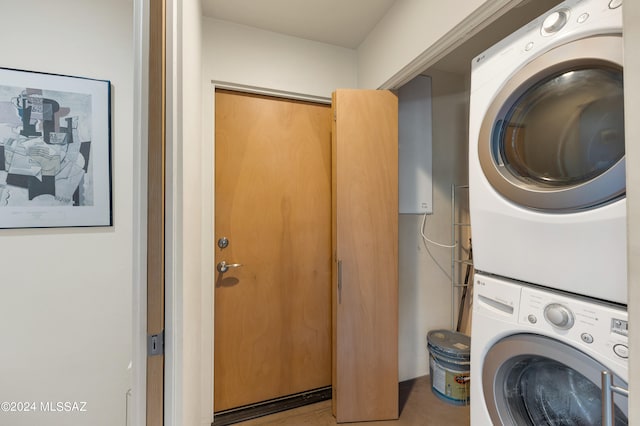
(272, 314)
(156, 208)
(365, 202)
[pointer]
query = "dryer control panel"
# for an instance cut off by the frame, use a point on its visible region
(571, 20)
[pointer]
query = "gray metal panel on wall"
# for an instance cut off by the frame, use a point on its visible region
(414, 147)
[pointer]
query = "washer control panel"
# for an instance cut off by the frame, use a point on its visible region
(595, 326)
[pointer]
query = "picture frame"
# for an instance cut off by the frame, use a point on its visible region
(55, 150)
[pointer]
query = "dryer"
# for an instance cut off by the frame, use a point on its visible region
(538, 356)
(546, 153)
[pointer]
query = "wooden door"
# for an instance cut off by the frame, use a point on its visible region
(273, 205)
(365, 244)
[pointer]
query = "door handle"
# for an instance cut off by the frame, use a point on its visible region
(223, 266)
(339, 281)
(608, 389)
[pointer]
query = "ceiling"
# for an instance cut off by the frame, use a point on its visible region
(343, 23)
(346, 23)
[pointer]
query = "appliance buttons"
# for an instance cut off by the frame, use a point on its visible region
(621, 350)
(559, 316)
(532, 319)
(586, 337)
(583, 18)
(614, 4)
(554, 22)
(620, 326)
(529, 46)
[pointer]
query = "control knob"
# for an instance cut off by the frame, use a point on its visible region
(559, 316)
(554, 22)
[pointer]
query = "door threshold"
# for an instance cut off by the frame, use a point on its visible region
(272, 406)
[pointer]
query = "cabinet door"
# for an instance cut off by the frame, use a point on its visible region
(365, 247)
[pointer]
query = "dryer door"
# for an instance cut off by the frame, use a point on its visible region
(553, 138)
(528, 379)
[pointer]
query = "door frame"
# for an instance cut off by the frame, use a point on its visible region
(179, 387)
(137, 398)
(486, 14)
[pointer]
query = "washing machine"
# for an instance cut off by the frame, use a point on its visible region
(546, 153)
(539, 357)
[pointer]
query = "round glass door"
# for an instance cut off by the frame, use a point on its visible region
(553, 139)
(532, 380)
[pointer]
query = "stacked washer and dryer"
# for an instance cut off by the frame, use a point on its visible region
(548, 215)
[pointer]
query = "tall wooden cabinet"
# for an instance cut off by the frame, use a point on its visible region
(365, 255)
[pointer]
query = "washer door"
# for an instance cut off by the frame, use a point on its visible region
(528, 379)
(553, 138)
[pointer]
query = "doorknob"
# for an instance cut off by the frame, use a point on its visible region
(223, 266)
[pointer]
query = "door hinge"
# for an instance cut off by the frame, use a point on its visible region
(155, 344)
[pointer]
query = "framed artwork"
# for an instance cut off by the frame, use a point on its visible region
(55, 150)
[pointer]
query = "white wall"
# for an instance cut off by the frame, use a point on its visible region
(404, 33)
(248, 56)
(425, 270)
(65, 298)
(415, 34)
(631, 16)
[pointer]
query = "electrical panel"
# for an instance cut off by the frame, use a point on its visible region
(414, 147)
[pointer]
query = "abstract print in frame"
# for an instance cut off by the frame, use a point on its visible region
(55, 150)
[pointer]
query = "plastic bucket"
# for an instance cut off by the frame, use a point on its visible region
(449, 360)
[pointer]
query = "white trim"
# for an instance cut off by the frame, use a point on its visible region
(185, 378)
(208, 227)
(173, 385)
(270, 92)
(137, 408)
(208, 251)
